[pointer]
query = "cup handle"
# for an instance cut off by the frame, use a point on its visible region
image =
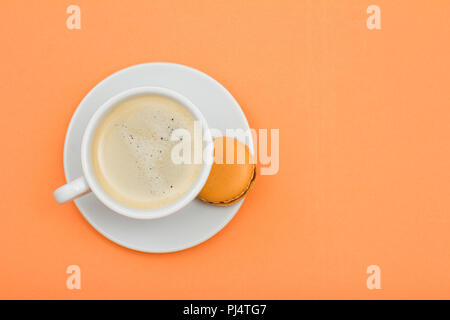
(72, 190)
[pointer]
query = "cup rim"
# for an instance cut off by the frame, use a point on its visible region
(86, 154)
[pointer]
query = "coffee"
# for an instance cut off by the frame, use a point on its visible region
(131, 152)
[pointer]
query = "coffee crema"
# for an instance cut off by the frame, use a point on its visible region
(131, 152)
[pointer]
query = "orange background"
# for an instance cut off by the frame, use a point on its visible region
(364, 146)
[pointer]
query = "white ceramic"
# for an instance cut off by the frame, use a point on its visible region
(88, 182)
(197, 221)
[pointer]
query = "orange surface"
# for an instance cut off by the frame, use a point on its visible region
(364, 146)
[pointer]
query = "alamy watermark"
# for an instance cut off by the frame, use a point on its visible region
(374, 280)
(374, 20)
(73, 281)
(190, 147)
(74, 19)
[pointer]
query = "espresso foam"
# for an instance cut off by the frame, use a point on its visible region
(132, 152)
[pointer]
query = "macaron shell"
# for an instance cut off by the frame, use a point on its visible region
(234, 200)
(228, 182)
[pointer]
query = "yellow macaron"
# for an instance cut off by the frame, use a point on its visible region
(232, 174)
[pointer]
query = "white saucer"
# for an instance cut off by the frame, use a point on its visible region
(195, 223)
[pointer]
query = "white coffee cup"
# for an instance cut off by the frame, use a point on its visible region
(89, 182)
